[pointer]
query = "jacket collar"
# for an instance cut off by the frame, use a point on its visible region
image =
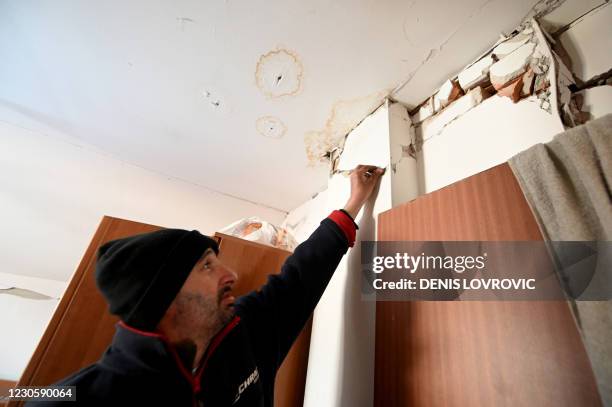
(136, 351)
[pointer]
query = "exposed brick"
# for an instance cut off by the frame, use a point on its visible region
(448, 92)
(512, 90)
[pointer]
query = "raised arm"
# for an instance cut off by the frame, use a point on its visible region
(277, 313)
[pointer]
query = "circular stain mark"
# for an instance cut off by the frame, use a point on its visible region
(270, 126)
(279, 73)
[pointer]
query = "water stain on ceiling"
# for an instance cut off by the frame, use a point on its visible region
(271, 127)
(279, 73)
(344, 116)
(190, 79)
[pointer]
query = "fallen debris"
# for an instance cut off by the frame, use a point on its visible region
(528, 80)
(570, 114)
(516, 67)
(448, 92)
(539, 64)
(541, 83)
(512, 44)
(435, 124)
(477, 73)
(512, 66)
(425, 110)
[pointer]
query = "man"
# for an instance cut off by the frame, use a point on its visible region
(183, 339)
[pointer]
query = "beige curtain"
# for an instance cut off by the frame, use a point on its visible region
(567, 183)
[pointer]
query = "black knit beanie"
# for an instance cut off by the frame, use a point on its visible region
(140, 275)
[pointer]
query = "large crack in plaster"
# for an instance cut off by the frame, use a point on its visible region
(433, 52)
(345, 115)
(279, 73)
(431, 55)
(526, 61)
(541, 8)
(405, 24)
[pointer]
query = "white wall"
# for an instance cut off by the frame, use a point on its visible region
(341, 361)
(54, 193)
(404, 169)
(487, 135)
(589, 44)
(304, 219)
(24, 320)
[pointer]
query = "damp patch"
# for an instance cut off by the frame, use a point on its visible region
(345, 115)
(270, 126)
(279, 73)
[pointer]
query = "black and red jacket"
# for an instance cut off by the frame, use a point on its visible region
(239, 367)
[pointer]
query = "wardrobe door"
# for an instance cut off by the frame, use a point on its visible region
(81, 327)
(254, 262)
(477, 353)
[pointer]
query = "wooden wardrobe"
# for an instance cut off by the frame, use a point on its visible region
(82, 328)
(472, 353)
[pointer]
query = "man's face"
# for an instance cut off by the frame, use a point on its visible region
(205, 302)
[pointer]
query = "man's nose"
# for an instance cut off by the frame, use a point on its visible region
(229, 275)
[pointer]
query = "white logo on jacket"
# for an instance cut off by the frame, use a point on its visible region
(253, 377)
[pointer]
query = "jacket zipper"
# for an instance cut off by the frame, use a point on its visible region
(212, 346)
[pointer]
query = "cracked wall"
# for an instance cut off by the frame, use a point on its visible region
(509, 104)
(449, 43)
(344, 116)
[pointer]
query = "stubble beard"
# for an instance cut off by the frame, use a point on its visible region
(202, 316)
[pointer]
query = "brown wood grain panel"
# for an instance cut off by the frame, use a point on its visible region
(253, 263)
(476, 353)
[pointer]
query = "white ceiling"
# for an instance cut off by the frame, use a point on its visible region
(171, 86)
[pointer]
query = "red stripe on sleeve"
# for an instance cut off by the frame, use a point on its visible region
(346, 224)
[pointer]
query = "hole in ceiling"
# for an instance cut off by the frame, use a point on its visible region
(212, 100)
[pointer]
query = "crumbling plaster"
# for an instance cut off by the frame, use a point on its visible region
(472, 35)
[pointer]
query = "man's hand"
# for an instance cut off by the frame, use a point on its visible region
(363, 180)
